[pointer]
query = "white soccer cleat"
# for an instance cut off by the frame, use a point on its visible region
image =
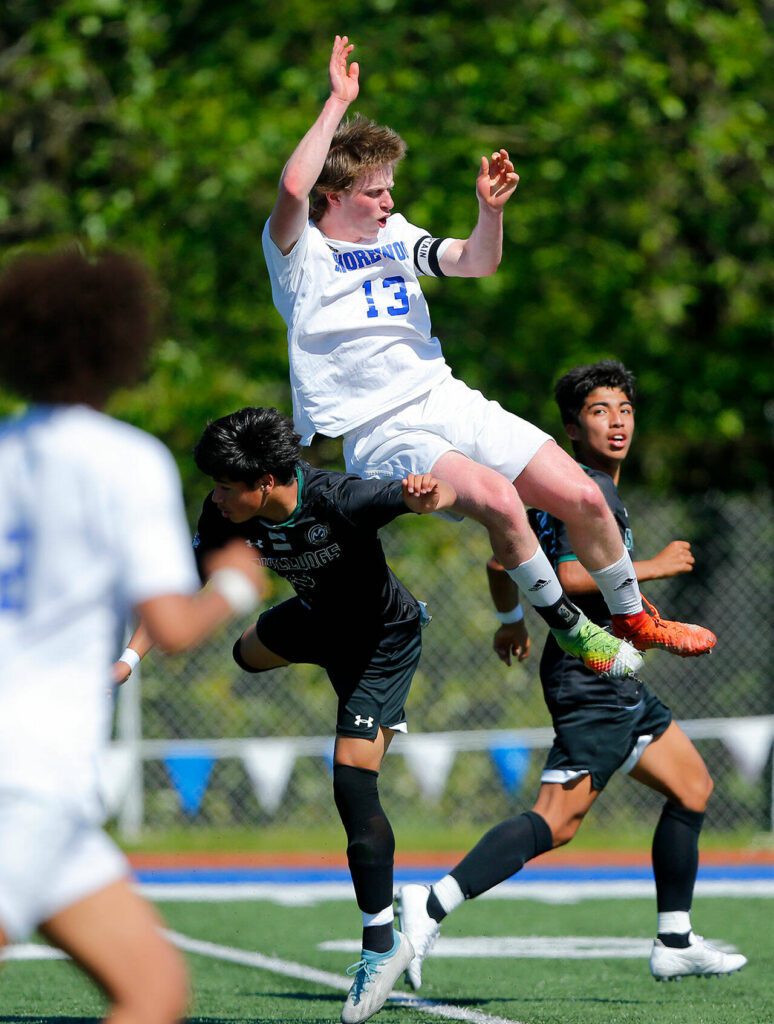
(701, 959)
(420, 928)
(375, 977)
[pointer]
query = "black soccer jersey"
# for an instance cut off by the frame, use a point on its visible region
(565, 679)
(328, 550)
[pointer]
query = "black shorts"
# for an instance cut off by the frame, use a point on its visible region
(371, 674)
(596, 740)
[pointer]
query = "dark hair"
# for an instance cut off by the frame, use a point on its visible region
(245, 445)
(572, 389)
(358, 147)
(72, 328)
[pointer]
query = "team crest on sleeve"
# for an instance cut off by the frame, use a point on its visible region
(317, 534)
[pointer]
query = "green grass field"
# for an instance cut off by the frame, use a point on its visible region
(529, 990)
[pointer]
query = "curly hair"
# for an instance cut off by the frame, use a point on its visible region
(247, 444)
(73, 329)
(572, 389)
(358, 146)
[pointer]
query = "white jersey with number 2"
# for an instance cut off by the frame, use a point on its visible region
(359, 335)
(91, 524)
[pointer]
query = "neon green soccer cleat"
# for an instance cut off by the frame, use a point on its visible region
(603, 653)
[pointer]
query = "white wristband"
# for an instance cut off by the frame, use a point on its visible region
(239, 592)
(131, 658)
(514, 615)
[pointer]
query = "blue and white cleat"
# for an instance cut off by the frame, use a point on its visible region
(375, 977)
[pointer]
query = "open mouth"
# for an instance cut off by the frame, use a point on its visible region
(618, 441)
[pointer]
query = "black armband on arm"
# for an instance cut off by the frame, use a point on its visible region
(426, 259)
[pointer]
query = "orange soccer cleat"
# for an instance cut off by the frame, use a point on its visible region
(646, 630)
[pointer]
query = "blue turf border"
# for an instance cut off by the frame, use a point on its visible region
(311, 876)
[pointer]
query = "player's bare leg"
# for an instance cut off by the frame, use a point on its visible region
(256, 654)
(116, 937)
(490, 499)
(553, 481)
(386, 953)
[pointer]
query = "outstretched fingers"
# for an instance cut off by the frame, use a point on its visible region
(344, 80)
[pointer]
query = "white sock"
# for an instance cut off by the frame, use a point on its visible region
(674, 922)
(537, 580)
(448, 893)
(618, 583)
(383, 917)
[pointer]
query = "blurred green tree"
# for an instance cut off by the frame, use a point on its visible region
(642, 227)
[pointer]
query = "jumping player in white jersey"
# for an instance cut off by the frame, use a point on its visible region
(91, 527)
(364, 365)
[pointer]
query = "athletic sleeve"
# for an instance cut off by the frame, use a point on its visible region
(285, 270)
(368, 504)
(151, 526)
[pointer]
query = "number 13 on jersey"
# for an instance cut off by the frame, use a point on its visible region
(396, 296)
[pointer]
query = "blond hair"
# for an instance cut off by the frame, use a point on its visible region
(358, 146)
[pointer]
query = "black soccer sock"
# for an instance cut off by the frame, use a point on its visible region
(563, 614)
(675, 855)
(503, 851)
(370, 846)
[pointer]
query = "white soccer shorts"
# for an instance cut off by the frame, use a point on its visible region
(451, 417)
(49, 860)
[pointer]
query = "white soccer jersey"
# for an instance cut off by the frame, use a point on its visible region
(359, 336)
(91, 523)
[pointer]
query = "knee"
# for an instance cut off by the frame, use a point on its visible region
(161, 998)
(589, 501)
(564, 832)
(503, 506)
(697, 792)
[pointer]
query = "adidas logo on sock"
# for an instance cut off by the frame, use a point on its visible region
(626, 583)
(538, 586)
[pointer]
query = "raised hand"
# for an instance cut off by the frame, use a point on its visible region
(345, 84)
(497, 180)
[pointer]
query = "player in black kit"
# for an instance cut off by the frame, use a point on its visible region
(319, 530)
(602, 725)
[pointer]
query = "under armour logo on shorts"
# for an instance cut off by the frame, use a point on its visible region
(367, 722)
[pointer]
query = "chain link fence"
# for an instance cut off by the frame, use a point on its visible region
(191, 723)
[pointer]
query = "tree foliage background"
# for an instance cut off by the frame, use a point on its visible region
(642, 227)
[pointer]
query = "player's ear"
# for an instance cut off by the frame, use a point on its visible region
(573, 431)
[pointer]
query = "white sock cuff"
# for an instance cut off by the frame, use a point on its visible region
(674, 922)
(537, 581)
(448, 893)
(382, 917)
(619, 586)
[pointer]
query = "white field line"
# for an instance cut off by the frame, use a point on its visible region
(290, 969)
(306, 895)
(31, 951)
(540, 947)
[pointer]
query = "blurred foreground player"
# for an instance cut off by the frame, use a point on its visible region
(91, 527)
(351, 614)
(602, 726)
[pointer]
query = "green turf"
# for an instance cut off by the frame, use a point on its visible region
(539, 991)
(411, 837)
